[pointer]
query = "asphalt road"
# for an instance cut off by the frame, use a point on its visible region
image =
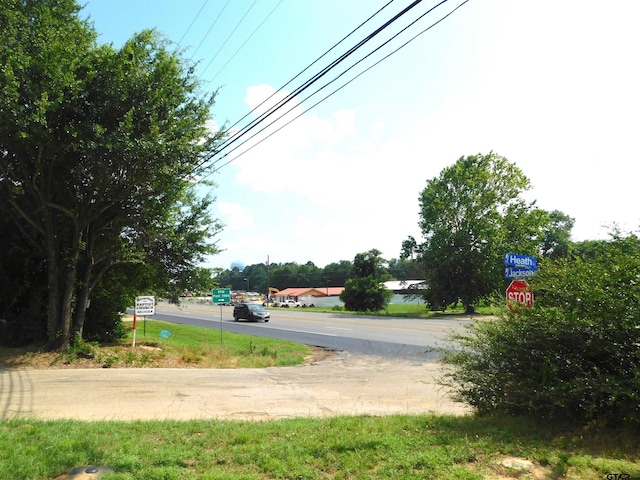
(358, 334)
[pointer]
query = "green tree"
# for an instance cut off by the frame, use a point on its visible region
(336, 274)
(364, 290)
(470, 215)
(98, 147)
(404, 269)
(557, 237)
(574, 356)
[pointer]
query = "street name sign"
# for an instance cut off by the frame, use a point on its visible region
(221, 295)
(512, 273)
(520, 261)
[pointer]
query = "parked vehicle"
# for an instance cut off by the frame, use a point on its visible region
(287, 304)
(250, 311)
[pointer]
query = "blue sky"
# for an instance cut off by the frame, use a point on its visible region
(552, 86)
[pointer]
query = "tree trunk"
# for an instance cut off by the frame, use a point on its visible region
(53, 304)
(82, 296)
(62, 278)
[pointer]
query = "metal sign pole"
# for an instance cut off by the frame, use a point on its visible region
(134, 330)
(220, 324)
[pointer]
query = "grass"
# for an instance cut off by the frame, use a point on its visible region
(185, 347)
(407, 310)
(397, 447)
(360, 447)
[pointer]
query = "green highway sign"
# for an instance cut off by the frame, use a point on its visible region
(221, 295)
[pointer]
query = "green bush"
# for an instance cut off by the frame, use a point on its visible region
(575, 356)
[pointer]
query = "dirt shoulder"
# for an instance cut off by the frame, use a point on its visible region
(338, 384)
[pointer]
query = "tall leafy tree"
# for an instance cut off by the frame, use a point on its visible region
(557, 237)
(364, 290)
(98, 147)
(470, 215)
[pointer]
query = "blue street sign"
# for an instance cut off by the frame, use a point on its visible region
(520, 261)
(511, 273)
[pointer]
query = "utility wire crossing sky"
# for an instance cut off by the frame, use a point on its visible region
(552, 86)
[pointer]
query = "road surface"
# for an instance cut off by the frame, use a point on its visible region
(387, 336)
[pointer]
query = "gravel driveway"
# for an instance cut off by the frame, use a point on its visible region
(341, 384)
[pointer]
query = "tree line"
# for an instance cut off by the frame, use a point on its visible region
(291, 275)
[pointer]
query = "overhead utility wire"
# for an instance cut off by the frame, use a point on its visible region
(223, 145)
(192, 22)
(319, 75)
(342, 86)
(210, 28)
(229, 37)
(292, 95)
(245, 42)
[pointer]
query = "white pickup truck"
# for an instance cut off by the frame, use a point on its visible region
(287, 304)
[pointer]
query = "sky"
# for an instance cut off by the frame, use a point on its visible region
(552, 86)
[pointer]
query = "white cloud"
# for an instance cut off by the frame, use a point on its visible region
(234, 216)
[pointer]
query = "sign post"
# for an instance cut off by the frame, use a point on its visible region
(220, 296)
(144, 306)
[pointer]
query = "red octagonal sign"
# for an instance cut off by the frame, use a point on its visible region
(520, 292)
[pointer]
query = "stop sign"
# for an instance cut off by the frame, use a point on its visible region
(519, 291)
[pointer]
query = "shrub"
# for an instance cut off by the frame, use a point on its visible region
(575, 356)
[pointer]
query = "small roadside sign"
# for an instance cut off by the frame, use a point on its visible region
(145, 306)
(221, 295)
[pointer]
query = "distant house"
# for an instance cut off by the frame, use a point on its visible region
(310, 295)
(308, 292)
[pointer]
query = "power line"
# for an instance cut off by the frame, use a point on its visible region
(228, 140)
(193, 21)
(316, 77)
(229, 36)
(305, 69)
(210, 28)
(245, 42)
(345, 84)
(319, 75)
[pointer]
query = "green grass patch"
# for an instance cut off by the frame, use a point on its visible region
(397, 447)
(185, 347)
(408, 310)
(195, 346)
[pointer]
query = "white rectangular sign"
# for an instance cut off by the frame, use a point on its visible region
(145, 306)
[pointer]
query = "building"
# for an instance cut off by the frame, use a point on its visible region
(308, 296)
